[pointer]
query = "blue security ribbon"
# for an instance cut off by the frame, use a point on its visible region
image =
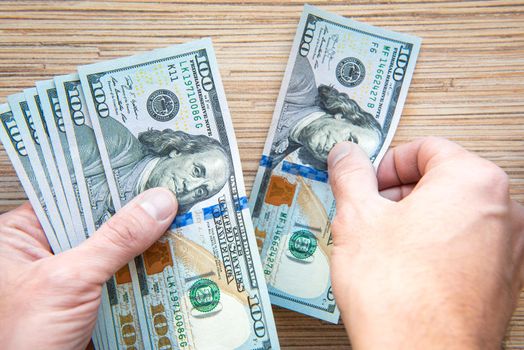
(305, 171)
(182, 220)
(266, 161)
(240, 203)
(219, 209)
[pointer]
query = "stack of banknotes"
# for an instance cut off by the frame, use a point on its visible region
(84, 144)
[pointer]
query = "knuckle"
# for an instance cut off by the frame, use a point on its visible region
(434, 141)
(441, 142)
(495, 177)
(498, 175)
(440, 145)
(487, 177)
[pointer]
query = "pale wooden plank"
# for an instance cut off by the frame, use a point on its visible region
(468, 85)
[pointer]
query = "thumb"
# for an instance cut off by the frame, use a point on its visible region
(351, 174)
(127, 234)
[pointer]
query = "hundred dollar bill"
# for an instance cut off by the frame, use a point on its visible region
(17, 153)
(54, 123)
(118, 302)
(73, 225)
(36, 130)
(161, 119)
(15, 148)
(40, 127)
(345, 81)
(25, 124)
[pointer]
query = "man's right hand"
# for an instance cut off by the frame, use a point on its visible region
(428, 253)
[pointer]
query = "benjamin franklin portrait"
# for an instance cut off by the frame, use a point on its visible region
(193, 167)
(315, 118)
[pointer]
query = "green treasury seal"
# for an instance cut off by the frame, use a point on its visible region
(302, 244)
(204, 295)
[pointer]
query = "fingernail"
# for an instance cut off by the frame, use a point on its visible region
(160, 203)
(338, 152)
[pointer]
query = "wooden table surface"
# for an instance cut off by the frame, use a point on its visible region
(468, 84)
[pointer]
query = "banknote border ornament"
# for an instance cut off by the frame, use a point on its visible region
(347, 68)
(206, 306)
(153, 100)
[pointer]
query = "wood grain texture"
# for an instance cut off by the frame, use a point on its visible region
(468, 84)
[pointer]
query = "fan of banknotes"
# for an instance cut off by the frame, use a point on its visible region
(84, 144)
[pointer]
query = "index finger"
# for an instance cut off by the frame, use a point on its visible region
(406, 164)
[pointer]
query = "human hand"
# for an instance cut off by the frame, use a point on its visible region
(428, 253)
(51, 302)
